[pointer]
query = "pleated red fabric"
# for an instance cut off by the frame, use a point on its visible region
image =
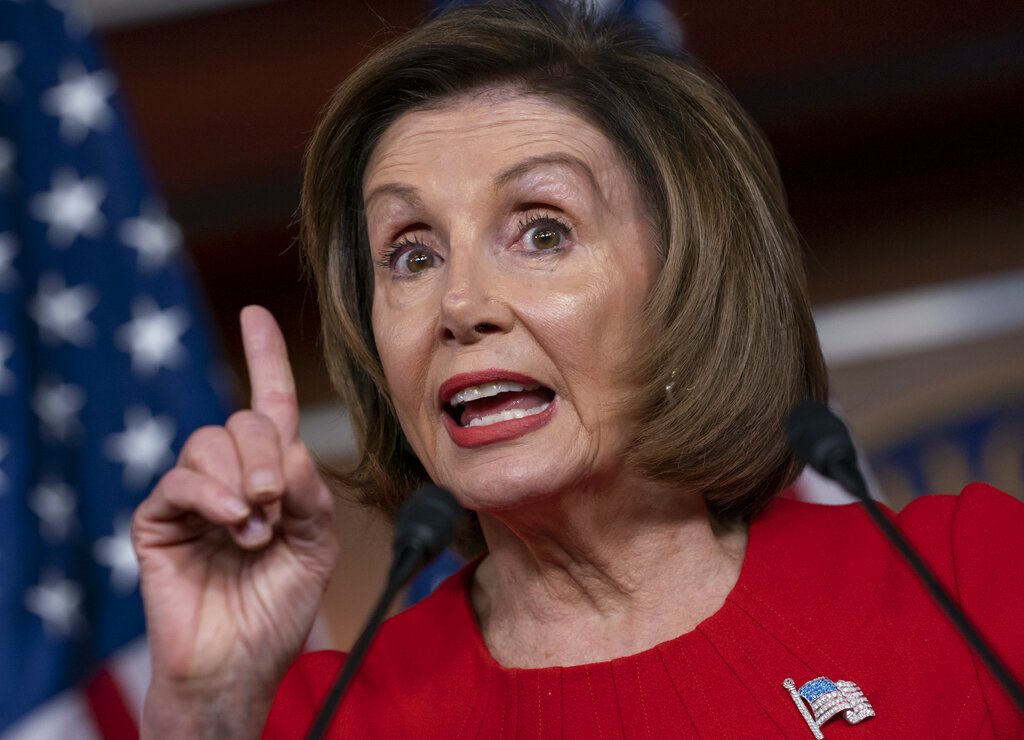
(820, 594)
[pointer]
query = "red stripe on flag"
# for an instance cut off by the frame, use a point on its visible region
(113, 719)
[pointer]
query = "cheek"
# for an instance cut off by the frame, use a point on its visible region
(587, 327)
(403, 344)
(590, 325)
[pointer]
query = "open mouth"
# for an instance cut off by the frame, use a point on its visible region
(495, 402)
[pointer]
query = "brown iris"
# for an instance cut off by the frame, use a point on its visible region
(418, 260)
(545, 237)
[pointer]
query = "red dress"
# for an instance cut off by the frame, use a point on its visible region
(820, 594)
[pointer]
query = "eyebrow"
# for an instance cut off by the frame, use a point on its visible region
(412, 195)
(406, 192)
(557, 159)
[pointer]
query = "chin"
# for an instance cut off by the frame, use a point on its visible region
(504, 485)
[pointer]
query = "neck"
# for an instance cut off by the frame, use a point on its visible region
(596, 574)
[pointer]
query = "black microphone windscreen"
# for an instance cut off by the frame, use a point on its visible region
(818, 437)
(427, 521)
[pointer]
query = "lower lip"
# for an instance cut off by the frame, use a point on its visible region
(500, 431)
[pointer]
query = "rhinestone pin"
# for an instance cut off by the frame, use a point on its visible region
(821, 699)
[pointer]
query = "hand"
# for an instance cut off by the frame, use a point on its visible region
(235, 546)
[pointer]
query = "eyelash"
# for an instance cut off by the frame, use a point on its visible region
(394, 250)
(528, 223)
(391, 253)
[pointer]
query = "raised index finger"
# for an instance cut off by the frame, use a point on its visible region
(270, 374)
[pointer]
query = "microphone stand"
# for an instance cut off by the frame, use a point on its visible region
(425, 526)
(821, 440)
(355, 658)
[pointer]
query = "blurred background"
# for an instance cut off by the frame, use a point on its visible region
(898, 130)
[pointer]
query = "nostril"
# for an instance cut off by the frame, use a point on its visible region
(456, 332)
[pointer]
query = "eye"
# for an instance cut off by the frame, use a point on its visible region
(409, 258)
(415, 260)
(545, 234)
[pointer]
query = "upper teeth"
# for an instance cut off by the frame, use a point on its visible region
(487, 390)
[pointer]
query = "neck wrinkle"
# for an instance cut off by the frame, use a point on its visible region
(600, 574)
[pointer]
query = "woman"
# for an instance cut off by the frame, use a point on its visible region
(557, 277)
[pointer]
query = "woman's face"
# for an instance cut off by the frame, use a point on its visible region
(512, 257)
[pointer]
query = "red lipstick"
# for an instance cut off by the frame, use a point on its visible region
(456, 383)
(479, 436)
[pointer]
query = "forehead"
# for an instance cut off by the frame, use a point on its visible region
(484, 133)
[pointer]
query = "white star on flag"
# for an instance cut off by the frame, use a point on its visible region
(144, 448)
(10, 58)
(71, 207)
(61, 312)
(153, 337)
(7, 377)
(77, 18)
(116, 552)
(54, 503)
(58, 602)
(8, 250)
(56, 404)
(6, 161)
(155, 236)
(80, 101)
(4, 449)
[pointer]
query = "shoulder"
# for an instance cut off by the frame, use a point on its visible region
(939, 525)
(973, 537)
(978, 533)
(968, 515)
(834, 556)
(833, 564)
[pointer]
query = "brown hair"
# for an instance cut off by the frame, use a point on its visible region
(728, 323)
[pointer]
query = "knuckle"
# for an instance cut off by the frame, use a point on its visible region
(252, 424)
(172, 481)
(207, 488)
(279, 397)
(190, 490)
(176, 486)
(202, 439)
(206, 434)
(240, 418)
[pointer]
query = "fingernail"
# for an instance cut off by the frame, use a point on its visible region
(236, 507)
(263, 481)
(254, 528)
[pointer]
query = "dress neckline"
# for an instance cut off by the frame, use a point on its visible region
(750, 572)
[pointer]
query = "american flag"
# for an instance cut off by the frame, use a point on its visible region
(105, 368)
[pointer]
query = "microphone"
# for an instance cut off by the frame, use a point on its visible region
(425, 526)
(820, 439)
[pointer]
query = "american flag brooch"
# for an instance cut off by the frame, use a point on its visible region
(821, 699)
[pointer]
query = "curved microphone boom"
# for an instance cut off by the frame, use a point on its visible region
(820, 439)
(424, 528)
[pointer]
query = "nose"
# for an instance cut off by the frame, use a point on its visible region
(470, 308)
